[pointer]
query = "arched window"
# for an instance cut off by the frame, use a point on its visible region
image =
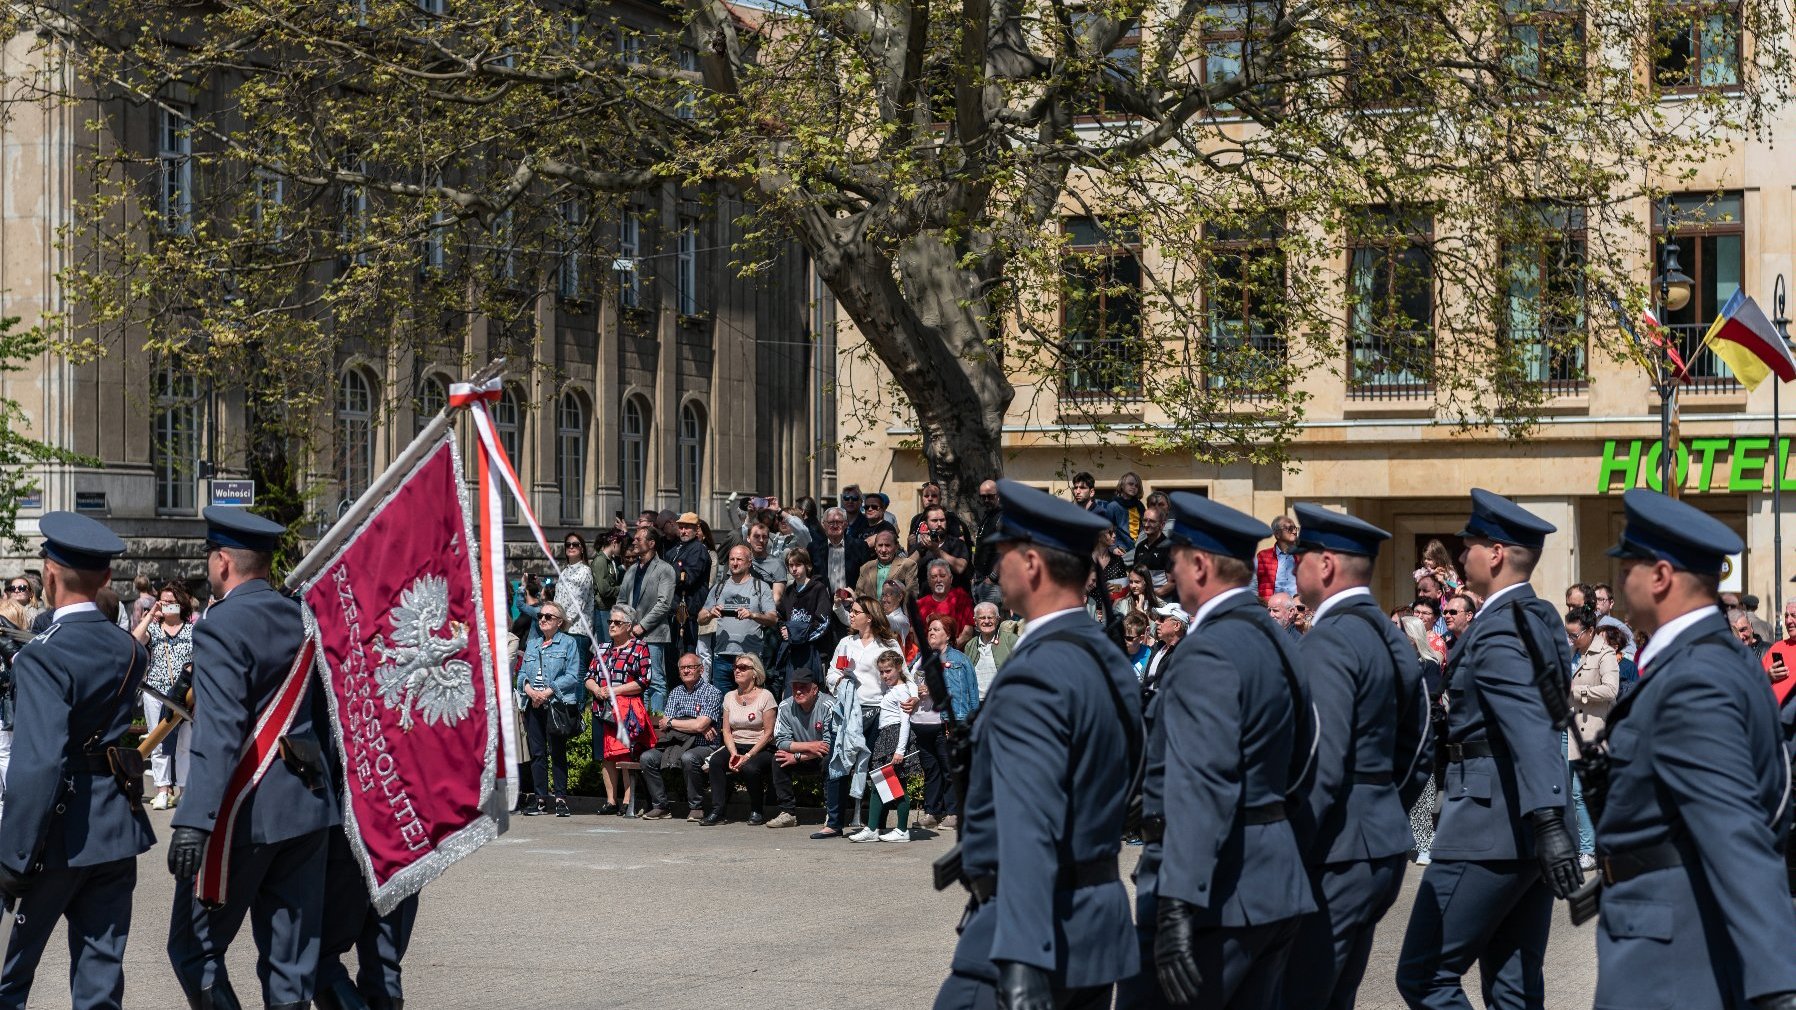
(570, 456)
(691, 466)
(433, 396)
(508, 424)
(634, 434)
(175, 443)
(355, 432)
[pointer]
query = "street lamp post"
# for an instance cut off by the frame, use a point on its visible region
(1675, 288)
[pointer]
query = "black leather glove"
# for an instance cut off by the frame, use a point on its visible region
(12, 884)
(1175, 951)
(1557, 852)
(1775, 1001)
(1023, 987)
(185, 852)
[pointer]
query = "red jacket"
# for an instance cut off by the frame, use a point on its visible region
(1265, 571)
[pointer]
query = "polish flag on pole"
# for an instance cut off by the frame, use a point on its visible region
(885, 780)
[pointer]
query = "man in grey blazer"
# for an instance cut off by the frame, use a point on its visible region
(648, 586)
(71, 836)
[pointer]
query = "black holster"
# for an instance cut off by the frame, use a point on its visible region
(304, 757)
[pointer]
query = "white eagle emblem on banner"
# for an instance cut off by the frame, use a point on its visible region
(417, 672)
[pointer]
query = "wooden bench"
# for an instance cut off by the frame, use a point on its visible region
(634, 770)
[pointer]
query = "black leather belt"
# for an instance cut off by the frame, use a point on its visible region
(1090, 873)
(1457, 752)
(1619, 866)
(1153, 829)
(1371, 778)
(95, 763)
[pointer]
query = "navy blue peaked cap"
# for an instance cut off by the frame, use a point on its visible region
(1322, 530)
(227, 526)
(1037, 517)
(1661, 528)
(1212, 526)
(78, 542)
(1495, 517)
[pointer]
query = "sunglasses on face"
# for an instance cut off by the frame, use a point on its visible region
(614, 623)
(744, 668)
(548, 617)
(1454, 613)
(851, 497)
(18, 589)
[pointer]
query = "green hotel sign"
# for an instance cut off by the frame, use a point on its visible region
(1718, 465)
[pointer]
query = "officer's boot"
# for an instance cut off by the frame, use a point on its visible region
(341, 995)
(220, 996)
(304, 1004)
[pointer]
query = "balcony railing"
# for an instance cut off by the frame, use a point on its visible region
(1103, 371)
(1552, 360)
(1708, 373)
(1393, 365)
(1246, 362)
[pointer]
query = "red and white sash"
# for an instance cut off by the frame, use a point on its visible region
(264, 746)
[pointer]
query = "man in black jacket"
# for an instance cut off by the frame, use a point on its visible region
(692, 579)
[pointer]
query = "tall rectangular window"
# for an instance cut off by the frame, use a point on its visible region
(570, 457)
(270, 205)
(1121, 65)
(1227, 36)
(1545, 43)
(175, 448)
(1697, 46)
(629, 265)
(1103, 350)
(686, 267)
(1386, 72)
(691, 456)
(352, 227)
(687, 105)
(174, 160)
(1244, 307)
(1543, 312)
(355, 433)
(1390, 305)
(567, 281)
(633, 454)
(1710, 231)
(508, 424)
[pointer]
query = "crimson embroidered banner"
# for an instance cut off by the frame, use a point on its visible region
(402, 650)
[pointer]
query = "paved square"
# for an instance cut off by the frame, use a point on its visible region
(591, 912)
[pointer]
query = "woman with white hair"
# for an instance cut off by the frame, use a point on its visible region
(620, 721)
(1421, 816)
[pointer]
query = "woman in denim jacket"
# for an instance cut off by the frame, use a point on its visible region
(549, 675)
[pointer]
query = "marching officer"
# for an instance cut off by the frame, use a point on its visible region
(1220, 884)
(72, 833)
(1373, 756)
(1502, 851)
(1695, 913)
(1055, 744)
(269, 863)
(350, 923)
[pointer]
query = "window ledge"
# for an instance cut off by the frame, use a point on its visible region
(1422, 406)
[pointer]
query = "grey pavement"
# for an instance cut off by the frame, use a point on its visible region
(595, 912)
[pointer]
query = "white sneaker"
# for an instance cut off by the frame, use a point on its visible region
(864, 835)
(1422, 858)
(160, 802)
(896, 835)
(1586, 862)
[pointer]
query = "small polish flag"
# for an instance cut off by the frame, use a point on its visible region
(885, 779)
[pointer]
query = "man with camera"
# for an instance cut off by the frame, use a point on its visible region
(935, 540)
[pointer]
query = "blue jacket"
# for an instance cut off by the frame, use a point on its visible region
(963, 686)
(242, 651)
(560, 666)
(1119, 520)
(1349, 665)
(1225, 733)
(1492, 697)
(1048, 786)
(80, 675)
(1696, 759)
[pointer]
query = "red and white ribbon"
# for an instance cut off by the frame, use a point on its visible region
(271, 724)
(466, 395)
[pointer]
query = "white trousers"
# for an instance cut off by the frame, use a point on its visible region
(160, 758)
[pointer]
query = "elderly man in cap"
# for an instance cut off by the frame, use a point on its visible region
(1220, 886)
(1054, 749)
(269, 860)
(1372, 756)
(1695, 911)
(74, 822)
(1502, 851)
(807, 721)
(692, 580)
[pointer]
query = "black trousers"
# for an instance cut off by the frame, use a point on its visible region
(754, 772)
(938, 785)
(548, 752)
(691, 762)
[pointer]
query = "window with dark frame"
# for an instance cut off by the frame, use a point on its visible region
(1545, 43)
(1696, 47)
(1384, 70)
(1101, 312)
(1544, 311)
(570, 456)
(1710, 230)
(1226, 37)
(433, 396)
(177, 436)
(1121, 65)
(174, 159)
(691, 456)
(508, 424)
(1390, 304)
(1243, 306)
(633, 433)
(355, 432)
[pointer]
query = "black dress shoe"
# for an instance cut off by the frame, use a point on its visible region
(712, 819)
(755, 819)
(608, 808)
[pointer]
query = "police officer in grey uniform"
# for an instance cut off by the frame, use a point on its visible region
(1221, 885)
(71, 835)
(1502, 851)
(1695, 914)
(242, 652)
(1054, 746)
(1373, 756)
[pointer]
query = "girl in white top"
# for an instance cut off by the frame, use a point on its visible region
(891, 747)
